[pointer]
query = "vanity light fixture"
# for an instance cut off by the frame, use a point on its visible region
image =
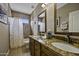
(43, 5)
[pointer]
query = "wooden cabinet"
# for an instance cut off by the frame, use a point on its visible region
(43, 54)
(31, 45)
(34, 47)
(38, 49)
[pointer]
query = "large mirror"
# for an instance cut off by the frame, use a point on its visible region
(42, 23)
(67, 18)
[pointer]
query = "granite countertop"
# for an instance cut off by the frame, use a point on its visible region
(47, 42)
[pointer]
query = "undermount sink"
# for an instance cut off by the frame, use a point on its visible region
(66, 47)
(39, 38)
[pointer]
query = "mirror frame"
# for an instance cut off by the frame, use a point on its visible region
(55, 27)
(45, 19)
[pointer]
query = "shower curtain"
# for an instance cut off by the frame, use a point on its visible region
(16, 32)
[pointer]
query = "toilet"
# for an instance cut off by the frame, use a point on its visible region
(26, 42)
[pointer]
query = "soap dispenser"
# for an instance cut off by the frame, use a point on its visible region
(49, 35)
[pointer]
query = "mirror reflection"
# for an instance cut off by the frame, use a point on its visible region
(67, 17)
(42, 22)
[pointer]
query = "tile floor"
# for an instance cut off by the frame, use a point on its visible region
(21, 51)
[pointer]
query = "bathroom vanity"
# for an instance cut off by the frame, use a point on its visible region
(40, 49)
(45, 47)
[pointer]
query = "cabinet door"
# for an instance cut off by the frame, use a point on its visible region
(43, 54)
(31, 46)
(37, 48)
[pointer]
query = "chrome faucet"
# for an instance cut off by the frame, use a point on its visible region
(68, 38)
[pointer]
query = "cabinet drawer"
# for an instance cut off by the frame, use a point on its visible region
(48, 51)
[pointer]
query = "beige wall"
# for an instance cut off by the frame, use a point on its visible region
(50, 15)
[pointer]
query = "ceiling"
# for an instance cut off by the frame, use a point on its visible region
(23, 7)
(59, 5)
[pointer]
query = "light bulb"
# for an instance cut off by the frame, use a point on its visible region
(43, 5)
